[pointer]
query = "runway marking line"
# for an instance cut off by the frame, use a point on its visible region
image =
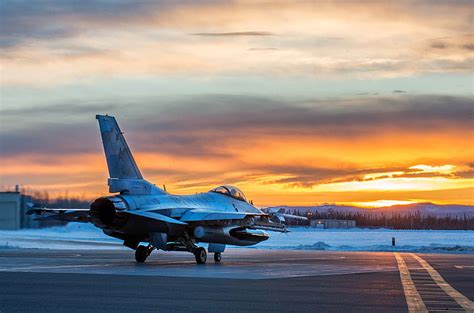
(463, 266)
(462, 300)
(413, 298)
(7, 269)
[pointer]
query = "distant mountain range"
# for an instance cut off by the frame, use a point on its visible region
(423, 208)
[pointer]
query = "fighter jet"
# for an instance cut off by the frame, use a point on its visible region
(140, 212)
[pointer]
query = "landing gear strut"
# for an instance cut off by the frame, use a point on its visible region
(200, 255)
(142, 252)
(184, 243)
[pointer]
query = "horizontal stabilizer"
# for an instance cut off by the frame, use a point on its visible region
(67, 215)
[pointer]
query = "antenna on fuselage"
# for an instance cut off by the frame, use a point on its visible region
(164, 187)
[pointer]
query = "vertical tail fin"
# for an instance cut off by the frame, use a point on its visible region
(117, 153)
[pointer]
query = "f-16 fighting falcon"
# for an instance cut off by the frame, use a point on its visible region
(140, 212)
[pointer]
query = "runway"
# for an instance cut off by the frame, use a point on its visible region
(41, 280)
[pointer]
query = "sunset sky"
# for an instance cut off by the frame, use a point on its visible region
(296, 103)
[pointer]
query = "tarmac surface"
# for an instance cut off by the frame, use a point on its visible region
(247, 280)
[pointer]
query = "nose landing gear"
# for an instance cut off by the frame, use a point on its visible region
(217, 257)
(142, 253)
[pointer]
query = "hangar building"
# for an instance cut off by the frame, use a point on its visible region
(332, 223)
(13, 207)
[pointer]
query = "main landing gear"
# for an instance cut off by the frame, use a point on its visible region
(201, 256)
(142, 252)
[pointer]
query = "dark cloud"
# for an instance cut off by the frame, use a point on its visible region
(297, 175)
(208, 125)
(452, 44)
(235, 34)
(399, 91)
(306, 176)
(66, 110)
(22, 20)
(367, 94)
(223, 114)
(443, 65)
(468, 47)
(468, 173)
(264, 49)
(438, 45)
(419, 174)
(51, 139)
(465, 174)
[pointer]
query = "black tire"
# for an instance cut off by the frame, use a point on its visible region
(200, 255)
(217, 257)
(141, 253)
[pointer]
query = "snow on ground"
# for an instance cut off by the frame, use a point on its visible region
(85, 236)
(71, 236)
(363, 239)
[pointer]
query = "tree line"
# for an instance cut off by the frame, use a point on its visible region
(42, 199)
(414, 220)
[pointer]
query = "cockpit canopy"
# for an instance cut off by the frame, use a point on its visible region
(230, 191)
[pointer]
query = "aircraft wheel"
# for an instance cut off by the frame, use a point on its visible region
(201, 255)
(217, 257)
(141, 253)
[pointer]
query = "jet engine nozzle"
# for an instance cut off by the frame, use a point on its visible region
(105, 213)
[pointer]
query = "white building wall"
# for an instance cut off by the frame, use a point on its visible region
(10, 210)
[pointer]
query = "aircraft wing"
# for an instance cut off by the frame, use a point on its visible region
(68, 215)
(260, 221)
(282, 217)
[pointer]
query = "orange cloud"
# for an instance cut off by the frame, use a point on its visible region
(298, 174)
